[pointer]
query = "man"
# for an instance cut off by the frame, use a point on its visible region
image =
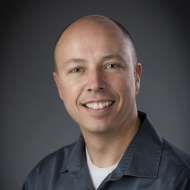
(97, 74)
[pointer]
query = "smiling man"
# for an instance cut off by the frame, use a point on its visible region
(97, 75)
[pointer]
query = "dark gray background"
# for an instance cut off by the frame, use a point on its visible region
(33, 120)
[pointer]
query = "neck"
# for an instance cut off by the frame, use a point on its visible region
(107, 149)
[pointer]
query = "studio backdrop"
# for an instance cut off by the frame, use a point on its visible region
(33, 120)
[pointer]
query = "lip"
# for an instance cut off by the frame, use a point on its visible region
(97, 112)
(96, 101)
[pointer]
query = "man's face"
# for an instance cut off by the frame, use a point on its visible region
(96, 77)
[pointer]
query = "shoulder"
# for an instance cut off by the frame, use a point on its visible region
(49, 167)
(58, 158)
(175, 155)
(175, 163)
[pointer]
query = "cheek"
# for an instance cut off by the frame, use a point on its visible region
(123, 84)
(69, 99)
(70, 91)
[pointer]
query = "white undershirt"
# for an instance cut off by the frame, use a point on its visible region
(98, 174)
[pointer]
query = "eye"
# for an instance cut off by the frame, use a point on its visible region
(112, 66)
(77, 70)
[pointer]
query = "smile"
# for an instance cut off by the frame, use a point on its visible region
(99, 105)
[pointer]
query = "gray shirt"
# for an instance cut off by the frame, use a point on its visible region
(149, 163)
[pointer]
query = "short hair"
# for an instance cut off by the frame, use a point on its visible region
(117, 23)
(128, 35)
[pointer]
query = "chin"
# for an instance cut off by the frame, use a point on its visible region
(98, 128)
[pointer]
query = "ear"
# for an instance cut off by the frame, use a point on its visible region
(57, 81)
(138, 73)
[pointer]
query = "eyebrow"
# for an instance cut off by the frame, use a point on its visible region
(112, 56)
(75, 60)
(82, 61)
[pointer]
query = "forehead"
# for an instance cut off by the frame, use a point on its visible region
(90, 37)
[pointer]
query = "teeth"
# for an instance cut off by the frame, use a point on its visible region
(98, 105)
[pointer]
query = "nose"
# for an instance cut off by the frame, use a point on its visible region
(95, 81)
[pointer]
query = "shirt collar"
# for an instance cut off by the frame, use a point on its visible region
(76, 159)
(141, 158)
(143, 155)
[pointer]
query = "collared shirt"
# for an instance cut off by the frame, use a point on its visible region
(98, 174)
(149, 163)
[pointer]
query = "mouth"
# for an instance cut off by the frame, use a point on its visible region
(98, 105)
